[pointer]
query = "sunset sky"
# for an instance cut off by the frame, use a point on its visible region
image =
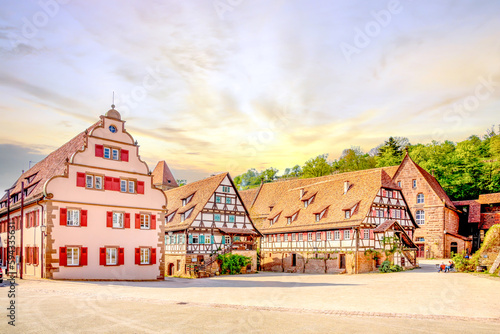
(212, 86)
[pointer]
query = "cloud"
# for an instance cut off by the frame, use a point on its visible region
(14, 159)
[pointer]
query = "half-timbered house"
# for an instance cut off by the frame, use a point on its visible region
(204, 219)
(338, 223)
(89, 210)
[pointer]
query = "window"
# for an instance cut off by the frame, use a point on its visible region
(116, 155)
(145, 221)
(73, 218)
(98, 182)
(318, 217)
(107, 153)
(366, 234)
(131, 187)
(117, 220)
(318, 236)
(380, 213)
(389, 193)
(278, 239)
(232, 219)
(227, 238)
(414, 183)
(90, 181)
(217, 217)
(183, 217)
(195, 239)
(289, 220)
(309, 236)
(420, 198)
(347, 234)
(306, 203)
(420, 239)
(399, 184)
(225, 189)
(145, 255)
(73, 256)
(420, 217)
(111, 256)
(218, 199)
(123, 186)
(269, 238)
(397, 213)
(181, 239)
(301, 237)
(336, 235)
(347, 214)
(208, 239)
(228, 200)
(329, 235)
(286, 237)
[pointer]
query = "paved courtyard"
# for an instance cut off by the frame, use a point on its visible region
(417, 301)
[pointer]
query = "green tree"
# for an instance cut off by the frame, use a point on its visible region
(295, 171)
(318, 166)
(269, 174)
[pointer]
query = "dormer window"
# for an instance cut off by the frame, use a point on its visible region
(346, 187)
(317, 217)
(289, 220)
(170, 217)
(188, 199)
(274, 219)
(347, 214)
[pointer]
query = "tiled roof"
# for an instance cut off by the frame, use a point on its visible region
(388, 224)
(431, 180)
(459, 236)
(474, 213)
(202, 191)
(248, 196)
(162, 175)
(54, 164)
(489, 198)
(285, 197)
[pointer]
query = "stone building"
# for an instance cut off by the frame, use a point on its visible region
(204, 219)
(337, 223)
(89, 210)
(434, 212)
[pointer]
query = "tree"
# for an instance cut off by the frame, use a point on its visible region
(269, 174)
(354, 159)
(250, 179)
(391, 152)
(296, 171)
(318, 166)
(181, 182)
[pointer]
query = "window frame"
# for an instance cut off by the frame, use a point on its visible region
(232, 219)
(347, 234)
(414, 183)
(420, 198)
(336, 235)
(420, 217)
(328, 235)
(73, 210)
(142, 221)
(219, 216)
(78, 252)
(309, 236)
(122, 215)
(143, 254)
(108, 256)
(366, 234)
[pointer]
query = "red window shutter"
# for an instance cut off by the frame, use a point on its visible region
(127, 220)
(109, 219)
(361, 234)
(32, 259)
(26, 255)
(137, 256)
(36, 256)
(153, 256)
(140, 187)
(102, 256)
(153, 222)
(108, 183)
(341, 234)
(63, 258)
(83, 221)
(99, 151)
(305, 236)
(290, 236)
(84, 257)
(63, 216)
(124, 155)
(137, 221)
(116, 184)
(372, 235)
(323, 236)
(351, 235)
(37, 218)
(121, 256)
(282, 238)
(80, 179)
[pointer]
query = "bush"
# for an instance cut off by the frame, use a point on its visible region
(232, 263)
(465, 265)
(387, 267)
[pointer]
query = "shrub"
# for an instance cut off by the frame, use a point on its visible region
(387, 267)
(232, 263)
(465, 265)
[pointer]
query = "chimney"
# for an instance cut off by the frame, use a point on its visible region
(346, 186)
(301, 193)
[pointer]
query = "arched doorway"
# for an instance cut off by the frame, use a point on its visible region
(453, 248)
(170, 269)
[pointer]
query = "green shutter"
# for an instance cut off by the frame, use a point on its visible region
(190, 238)
(202, 239)
(223, 240)
(212, 241)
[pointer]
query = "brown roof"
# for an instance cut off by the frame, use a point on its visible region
(459, 236)
(202, 191)
(162, 175)
(248, 196)
(474, 213)
(54, 164)
(489, 198)
(285, 197)
(228, 230)
(431, 180)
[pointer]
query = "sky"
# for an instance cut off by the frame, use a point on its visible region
(227, 85)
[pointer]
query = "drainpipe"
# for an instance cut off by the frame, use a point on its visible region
(21, 262)
(42, 236)
(357, 248)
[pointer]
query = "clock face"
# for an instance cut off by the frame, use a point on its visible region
(112, 128)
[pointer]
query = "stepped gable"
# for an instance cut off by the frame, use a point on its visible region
(54, 164)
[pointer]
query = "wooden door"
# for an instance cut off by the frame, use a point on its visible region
(342, 261)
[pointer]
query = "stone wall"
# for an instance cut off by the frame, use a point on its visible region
(251, 254)
(462, 245)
